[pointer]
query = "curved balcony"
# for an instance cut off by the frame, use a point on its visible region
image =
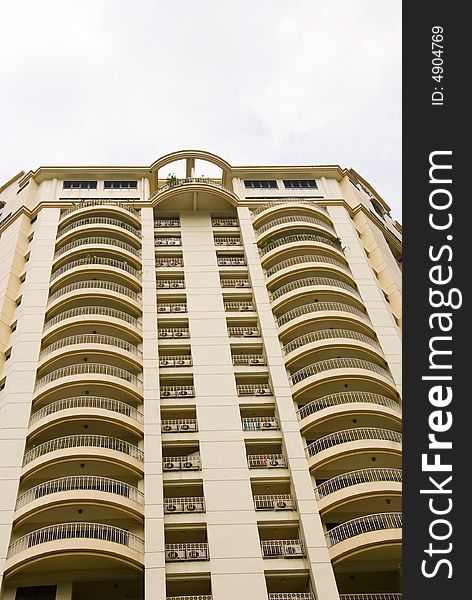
(96, 261)
(307, 259)
(280, 202)
(360, 533)
(90, 339)
(80, 537)
(91, 313)
(94, 284)
(99, 222)
(357, 478)
(301, 238)
(309, 309)
(313, 282)
(100, 204)
(295, 221)
(328, 334)
(191, 181)
(97, 241)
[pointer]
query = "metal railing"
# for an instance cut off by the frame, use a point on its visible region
(94, 284)
(282, 548)
(247, 332)
(167, 222)
(83, 311)
(187, 504)
(294, 219)
(179, 425)
(281, 201)
(259, 423)
(170, 262)
(310, 281)
(305, 258)
(99, 221)
(181, 463)
(291, 596)
(167, 241)
(338, 363)
(99, 402)
(190, 180)
(224, 222)
(239, 306)
(80, 482)
(227, 241)
(90, 338)
(177, 391)
(374, 596)
(325, 334)
(235, 283)
(88, 368)
(254, 389)
(98, 203)
(266, 461)
(346, 480)
(175, 360)
(366, 524)
(172, 307)
(96, 240)
(67, 531)
(352, 435)
(193, 597)
(97, 261)
(173, 332)
(189, 551)
(253, 360)
(231, 261)
(177, 284)
(274, 502)
(301, 237)
(84, 441)
(318, 307)
(346, 398)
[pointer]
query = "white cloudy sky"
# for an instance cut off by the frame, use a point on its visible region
(255, 81)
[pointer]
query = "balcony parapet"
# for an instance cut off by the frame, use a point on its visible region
(307, 309)
(99, 261)
(325, 334)
(99, 221)
(338, 363)
(306, 258)
(97, 241)
(347, 398)
(94, 284)
(312, 281)
(91, 338)
(87, 369)
(302, 237)
(365, 524)
(352, 435)
(89, 311)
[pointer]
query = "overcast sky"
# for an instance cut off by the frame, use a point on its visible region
(255, 81)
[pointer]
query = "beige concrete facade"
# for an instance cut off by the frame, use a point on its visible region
(200, 384)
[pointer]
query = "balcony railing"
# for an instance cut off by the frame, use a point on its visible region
(254, 389)
(167, 241)
(173, 333)
(99, 221)
(346, 398)
(175, 360)
(235, 283)
(99, 202)
(188, 504)
(189, 181)
(165, 284)
(366, 524)
(253, 360)
(307, 309)
(186, 552)
(97, 240)
(239, 306)
(352, 435)
(167, 222)
(274, 502)
(259, 423)
(279, 201)
(227, 241)
(96, 261)
(325, 334)
(87, 369)
(88, 311)
(246, 332)
(84, 441)
(375, 596)
(91, 338)
(346, 480)
(177, 391)
(198, 597)
(94, 284)
(224, 222)
(179, 425)
(282, 548)
(305, 258)
(170, 262)
(181, 463)
(301, 237)
(67, 531)
(291, 596)
(231, 261)
(98, 402)
(294, 219)
(338, 363)
(266, 461)
(311, 281)
(172, 307)
(80, 483)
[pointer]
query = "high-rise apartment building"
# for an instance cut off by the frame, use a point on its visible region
(199, 384)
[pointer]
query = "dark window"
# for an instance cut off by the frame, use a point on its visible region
(261, 184)
(120, 185)
(80, 185)
(44, 592)
(300, 184)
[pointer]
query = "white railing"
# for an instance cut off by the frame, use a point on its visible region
(235, 283)
(91, 338)
(273, 502)
(346, 480)
(167, 241)
(94, 284)
(187, 504)
(175, 360)
(305, 258)
(291, 596)
(325, 334)
(84, 441)
(239, 306)
(253, 360)
(167, 222)
(310, 281)
(96, 261)
(83, 311)
(224, 222)
(87, 402)
(98, 240)
(352, 435)
(318, 307)
(259, 423)
(266, 461)
(246, 332)
(294, 219)
(165, 284)
(181, 463)
(282, 548)
(170, 262)
(189, 181)
(338, 363)
(254, 389)
(179, 425)
(301, 237)
(177, 391)
(231, 261)
(98, 203)
(190, 551)
(172, 307)
(227, 241)
(346, 398)
(80, 482)
(68, 531)
(88, 368)
(99, 221)
(366, 524)
(374, 596)
(173, 332)
(279, 201)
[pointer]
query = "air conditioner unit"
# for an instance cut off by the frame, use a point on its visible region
(190, 465)
(166, 362)
(187, 427)
(224, 261)
(186, 393)
(168, 393)
(293, 550)
(256, 361)
(171, 262)
(263, 391)
(176, 309)
(159, 242)
(171, 465)
(175, 555)
(174, 243)
(184, 362)
(284, 505)
(197, 554)
(178, 334)
(258, 463)
(193, 507)
(238, 261)
(246, 307)
(219, 243)
(242, 284)
(234, 242)
(169, 428)
(269, 424)
(217, 222)
(163, 309)
(174, 507)
(164, 334)
(177, 284)
(249, 333)
(275, 462)
(163, 284)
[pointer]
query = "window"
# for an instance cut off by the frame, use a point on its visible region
(120, 185)
(300, 184)
(261, 184)
(80, 185)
